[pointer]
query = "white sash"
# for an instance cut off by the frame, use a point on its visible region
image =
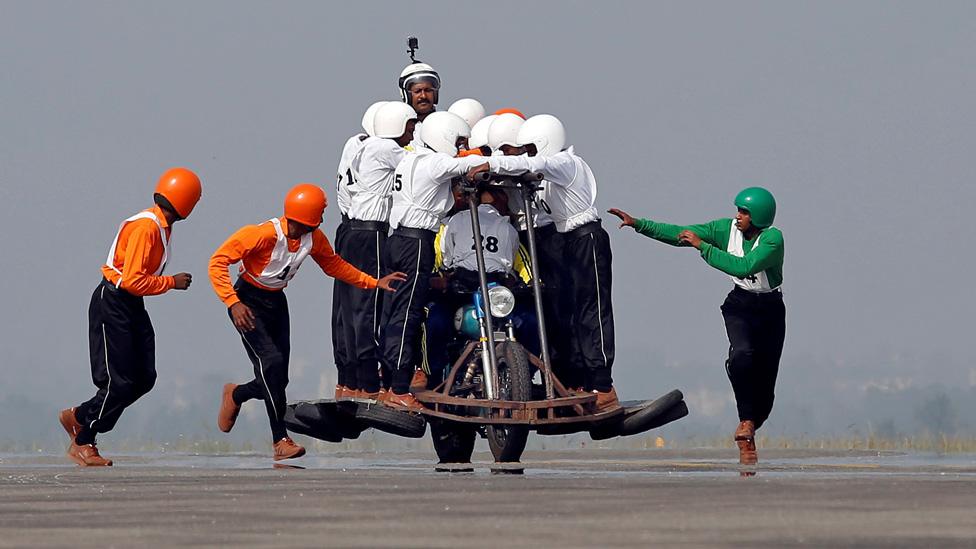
(757, 283)
(110, 261)
(283, 263)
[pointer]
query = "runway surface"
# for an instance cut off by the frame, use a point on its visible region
(581, 498)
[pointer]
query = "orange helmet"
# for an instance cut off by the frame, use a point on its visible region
(181, 188)
(516, 112)
(305, 204)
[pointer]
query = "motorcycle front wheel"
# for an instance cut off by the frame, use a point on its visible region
(507, 442)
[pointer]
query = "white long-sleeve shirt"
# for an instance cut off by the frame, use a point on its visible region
(344, 180)
(569, 189)
(498, 237)
(517, 206)
(373, 170)
(422, 188)
(416, 144)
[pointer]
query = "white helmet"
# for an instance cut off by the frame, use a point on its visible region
(545, 131)
(416, 72)
(504, 130)
(471, 110)
(370, 115)
(479, 132)
(441, 131)
(391, 119)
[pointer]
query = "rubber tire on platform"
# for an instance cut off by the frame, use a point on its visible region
(631, 426)
(640, 418)
(301, 423)
(348, 424)
(395, 422)
(333, 416)
(507, 442)
(453, 441)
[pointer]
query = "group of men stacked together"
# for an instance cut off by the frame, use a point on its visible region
(395, 194)
(395, 191)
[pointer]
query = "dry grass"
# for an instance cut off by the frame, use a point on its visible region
(926, 443)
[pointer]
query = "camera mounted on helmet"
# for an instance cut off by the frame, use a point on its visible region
(417, 72)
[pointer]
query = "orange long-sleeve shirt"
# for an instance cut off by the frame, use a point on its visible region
(252, 245)
(138, 253)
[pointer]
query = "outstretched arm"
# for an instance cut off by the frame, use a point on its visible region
(333, 265)
(710, 232)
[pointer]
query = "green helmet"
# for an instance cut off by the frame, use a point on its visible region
(759, 203)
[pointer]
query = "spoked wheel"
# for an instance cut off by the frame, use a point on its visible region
(507, 442)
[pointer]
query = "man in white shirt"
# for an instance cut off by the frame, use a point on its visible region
(421, 198)
(502, 138)
(570, 196)
(345, 367)
(371, 170)
(505, 264)
(499, 238)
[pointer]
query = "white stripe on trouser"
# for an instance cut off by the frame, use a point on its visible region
(599, 308)
(108, 389)
(376, 296)
(406, 317)
(261, 369)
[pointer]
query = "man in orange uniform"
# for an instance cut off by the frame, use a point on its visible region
(270, 255)
(120, 335)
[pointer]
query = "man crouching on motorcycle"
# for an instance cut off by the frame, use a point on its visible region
(506, 263)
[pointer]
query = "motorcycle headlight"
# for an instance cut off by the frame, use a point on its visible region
(501, 301)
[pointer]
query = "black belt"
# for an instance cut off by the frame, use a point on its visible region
(135, 300)
(583, 230)
(410, 232)
(775, 293)
(360, 225)
(543, 231)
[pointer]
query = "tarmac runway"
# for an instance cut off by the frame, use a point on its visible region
(581, 498)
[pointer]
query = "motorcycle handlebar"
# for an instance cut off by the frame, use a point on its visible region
(528, 177)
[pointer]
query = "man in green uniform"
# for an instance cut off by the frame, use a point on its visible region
(750, 250)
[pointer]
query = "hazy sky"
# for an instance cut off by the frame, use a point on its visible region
(858, 116)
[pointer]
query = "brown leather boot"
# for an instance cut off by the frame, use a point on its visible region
(70, 422)
(745, 430)
(229, 409)
(286, 448)
(607, 402)
(747, 452)
(419, 381)
(405, 402)
(343, 392)
(745, 439)
(87, 455)
(370, 396)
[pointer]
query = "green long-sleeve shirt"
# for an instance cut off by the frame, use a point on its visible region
(767, 257)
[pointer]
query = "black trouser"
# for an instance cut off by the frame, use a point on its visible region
(410, 251)
(556, 303)
(122, 346)
(338, 315)
(363, 248)
(756, 324)
(588, 264)
(268, 346)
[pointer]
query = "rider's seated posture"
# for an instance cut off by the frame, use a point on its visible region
(506, 263)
